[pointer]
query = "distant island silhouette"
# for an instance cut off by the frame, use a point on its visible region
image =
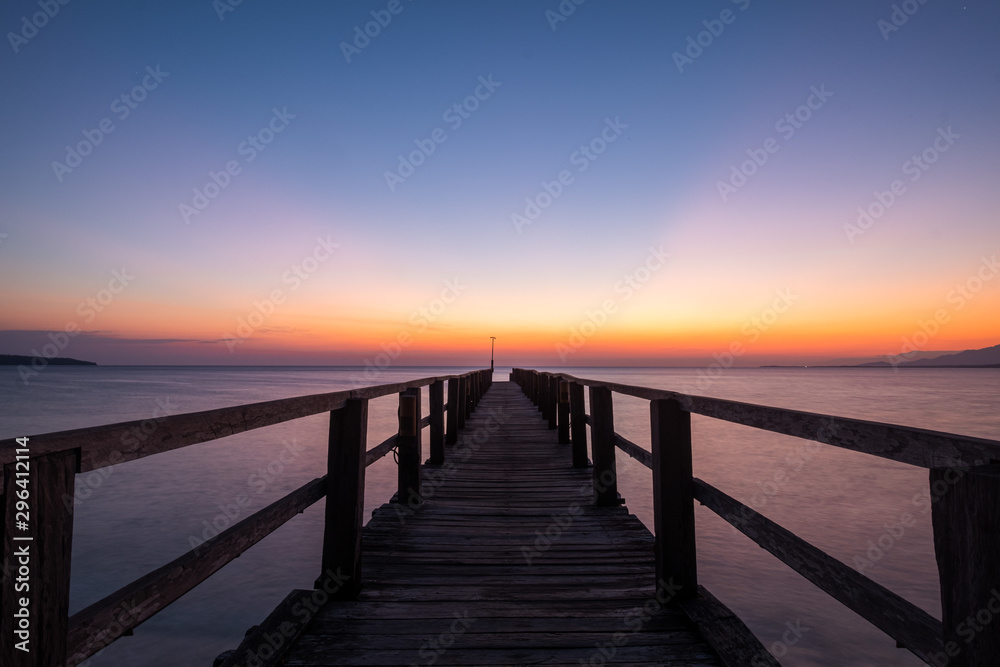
(987, 357)
(21, 359)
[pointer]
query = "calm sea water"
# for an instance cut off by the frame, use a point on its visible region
(136, 516)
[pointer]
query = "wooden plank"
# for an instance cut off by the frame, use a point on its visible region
(266, 644)
(380, 450)
(105, 621)
(910, 626)
(725, 632)
(966, 516)
(37, 534)
(635, 451)
(673, 500)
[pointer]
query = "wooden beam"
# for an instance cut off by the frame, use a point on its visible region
(462, 404)
(602, 434)
(966, 516)
(453, 403)
(563, 412)
(105, 621)
(673, 496)
(37, 534)
(910, 626)
(408, 471)
(578, 425)
(553, 401)
(919, 447)
(345, 500)
(436, 397)
(634, 450)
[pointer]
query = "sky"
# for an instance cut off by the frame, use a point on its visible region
(592, 183)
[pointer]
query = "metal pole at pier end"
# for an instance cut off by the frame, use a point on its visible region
(493, 340)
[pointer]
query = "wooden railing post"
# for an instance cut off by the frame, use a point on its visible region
(563, 412)
(461, 402)
(673, 496)
(36, 553)
(543, 395)
(965, 515)
(436, 396)
(578, 425)
(552, 411)
(602, 442)
(408, 441)
(345, 497)
(452, 436)
(467, 397)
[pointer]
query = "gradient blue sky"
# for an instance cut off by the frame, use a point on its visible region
(655, 186)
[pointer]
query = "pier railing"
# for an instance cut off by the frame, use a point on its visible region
(964, 483)
(37, 494)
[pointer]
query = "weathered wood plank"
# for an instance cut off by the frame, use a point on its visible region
(91, 629)
(909, 625)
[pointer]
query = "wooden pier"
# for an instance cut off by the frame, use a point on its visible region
(509, 544)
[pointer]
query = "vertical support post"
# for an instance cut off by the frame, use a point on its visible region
(578, 425)
(436, 396)
(408, 440)
(602, 438)
(452, 436)
(563, 412)
(966, 543)
(467, 397)
(461, 402)
(47, 542)
(345, 496)
(543, 395)
(553, 401)
(673, 497)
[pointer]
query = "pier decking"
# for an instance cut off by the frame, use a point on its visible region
(509, 545)
(507, 561)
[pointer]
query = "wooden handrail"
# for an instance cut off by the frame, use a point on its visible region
(964, 485)
(58, 457)
(102, 446)
(906, 444)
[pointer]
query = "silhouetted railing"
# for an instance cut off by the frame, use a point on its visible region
(38, 490)
(964, 486)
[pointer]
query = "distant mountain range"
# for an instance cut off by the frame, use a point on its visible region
(20, 359)
(987, 356)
